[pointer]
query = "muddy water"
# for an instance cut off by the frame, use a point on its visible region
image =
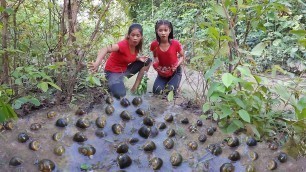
(105, 157)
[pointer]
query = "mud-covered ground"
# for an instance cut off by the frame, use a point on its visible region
(105, 157)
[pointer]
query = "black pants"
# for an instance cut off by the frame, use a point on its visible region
(164, 85)
(115, 79)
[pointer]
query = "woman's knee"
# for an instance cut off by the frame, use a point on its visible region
(158, 90)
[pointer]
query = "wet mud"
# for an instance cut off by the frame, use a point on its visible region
(105, 141)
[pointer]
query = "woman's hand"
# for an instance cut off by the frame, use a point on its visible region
(143, 58)
(93, 67)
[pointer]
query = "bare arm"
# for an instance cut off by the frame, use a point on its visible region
(93, 66)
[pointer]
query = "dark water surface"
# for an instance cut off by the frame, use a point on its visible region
(105, 157)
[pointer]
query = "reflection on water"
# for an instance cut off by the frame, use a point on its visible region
(105, 158)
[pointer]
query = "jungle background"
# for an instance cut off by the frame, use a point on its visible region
(236, 47)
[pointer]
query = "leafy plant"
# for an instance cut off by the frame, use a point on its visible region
(143, 86)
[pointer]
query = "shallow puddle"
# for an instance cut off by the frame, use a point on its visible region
(105, 157)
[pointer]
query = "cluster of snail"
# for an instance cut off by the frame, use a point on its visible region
(146, 131)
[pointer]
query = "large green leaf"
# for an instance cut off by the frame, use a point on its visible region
(227, 79)
(54, 86)
(206, 107)
(43, 86)
(219, 9)
(258, 49)
(226, 111)
(244, 115)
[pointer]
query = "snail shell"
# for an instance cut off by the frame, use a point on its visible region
(250, 168)
(251, 142)
(149, 146)
(109, 109)
(193, 128)
(227, 167)
(87, 150)
(272, 165)
(210, 131)
(176, 159)
(202, 138)
(101, 122)
(282, 157)
(80, 111)
(125, 102)
(100, 133)
(133, 140)
(140, 112)
(124, 161)
(35, 126)
(79, 137)
(59, 150)
(199, 123)
(61, 122)
(57, 136)
(109, 100)
(234, 156)
(46, 165)
(83, 123)
(15, 161)
(124, 115)
(51, 114)
(169, 118)
(185, 121)
(137, 101)
(233, 141)
(215, 149)
(144, 132)
(34, 145)
(23, 137)
(148, 121)
(122, 148)
(117, 128)
(273, 146)
(193, 145)
(171, 133)
(9, 125)
(162, 126)
(156, 163)
(253, 155)
(168, 143)
(153, 132)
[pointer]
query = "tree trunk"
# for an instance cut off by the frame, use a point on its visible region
(4, 63)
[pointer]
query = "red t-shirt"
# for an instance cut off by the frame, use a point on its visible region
(169, 57)
(119, 60)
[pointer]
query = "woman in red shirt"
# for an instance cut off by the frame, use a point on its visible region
(123, 61)
(168, 57)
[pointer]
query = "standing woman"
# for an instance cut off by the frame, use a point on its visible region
(123, 61)
(168, 57)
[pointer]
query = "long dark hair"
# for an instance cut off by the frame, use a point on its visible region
(167, 23)
(131, 28)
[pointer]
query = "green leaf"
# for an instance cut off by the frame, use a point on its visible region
(34, 101)
(298, 32)
(170, 96)
(244, 70)
(227, 79)
(54, 86)
(85, 166)
(232, 128)
(43, 86)
(244, 115)
(254, 129)
(277, 42)
(215, 116)
(219, 9)
(302, 114)
(238, 123)
(258, 49)
(206, 107)
(212, 88)
(96, 81)
(240, 102)
(226, 111)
